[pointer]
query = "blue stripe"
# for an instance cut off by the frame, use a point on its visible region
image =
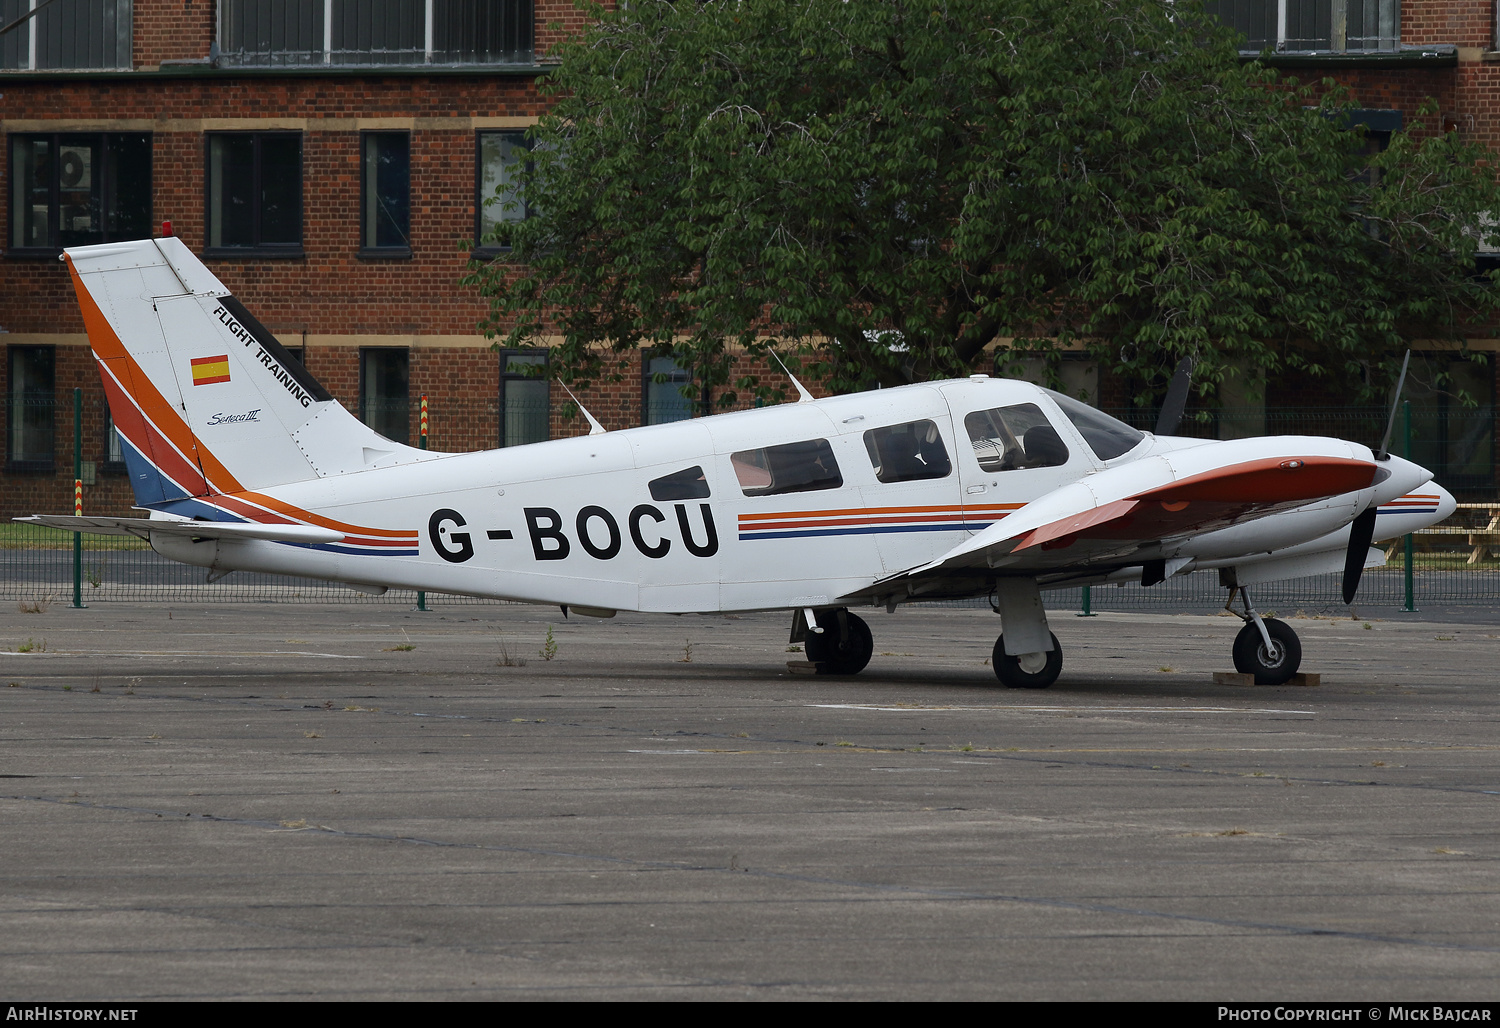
(956, 526)
(337, 548)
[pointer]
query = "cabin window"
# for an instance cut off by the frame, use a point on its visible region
(1107, 437)
(906, 453)
(1009, 438)
(791, 468)
(689, 484)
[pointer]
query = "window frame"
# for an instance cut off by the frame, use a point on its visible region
(46, 464)
(512, 376)
(257, 250)
(107, 191)
(368, 249)
(28, 39)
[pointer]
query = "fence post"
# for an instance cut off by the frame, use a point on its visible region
(1411, 598)
(1088, 610)
(422, 434)
(78, 495)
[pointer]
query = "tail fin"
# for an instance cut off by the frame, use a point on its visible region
(205, 400)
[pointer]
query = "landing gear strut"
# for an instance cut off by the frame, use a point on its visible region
(843, 647)
(1266, 648)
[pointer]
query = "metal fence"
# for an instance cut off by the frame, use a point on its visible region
(1453, 564)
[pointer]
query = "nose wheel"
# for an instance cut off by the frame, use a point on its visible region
(1266, 648)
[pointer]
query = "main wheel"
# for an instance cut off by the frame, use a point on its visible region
(1008, 669)
(1251, 658)
(840, 649)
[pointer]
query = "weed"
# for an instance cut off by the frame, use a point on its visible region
(13, 685)
(1234, 831)
(507, 658)
(1378, 763)
(36, 605)
(549, 646)
(687, 651)
(967, 747)
(294, 824)
(1368, 626)
(1443, 638)
(403, 648)
(794, 648)
(32, 646)
(893, 654)
(1167, 668)
(67, 688)
(311, 735)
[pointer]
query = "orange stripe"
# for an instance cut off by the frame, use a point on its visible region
(106, 344)
(857, 511)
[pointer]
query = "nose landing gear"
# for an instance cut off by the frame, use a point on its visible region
(1266, 648)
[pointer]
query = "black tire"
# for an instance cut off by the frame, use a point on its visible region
(1251, 658)
(840, 650)
(1008, 668)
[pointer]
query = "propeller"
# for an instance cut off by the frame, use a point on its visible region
(1362, 531)
(1177, 397)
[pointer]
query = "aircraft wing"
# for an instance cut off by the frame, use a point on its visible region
(144, 527)
(1108, 518)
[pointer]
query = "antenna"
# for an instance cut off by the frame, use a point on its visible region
(594, 427)
(803, 396)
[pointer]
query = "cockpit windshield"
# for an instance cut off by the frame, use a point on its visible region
(1107, 437)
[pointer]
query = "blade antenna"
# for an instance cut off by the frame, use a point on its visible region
(594, 427)
(1390, 422)
(803, 396)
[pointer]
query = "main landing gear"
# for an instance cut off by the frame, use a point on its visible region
(1266, 648)
(844, 645)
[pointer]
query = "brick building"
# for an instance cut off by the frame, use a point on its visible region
(328, 159)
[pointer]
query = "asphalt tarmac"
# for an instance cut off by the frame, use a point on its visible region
(282, 802)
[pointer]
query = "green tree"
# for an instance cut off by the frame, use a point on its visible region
(885, 187)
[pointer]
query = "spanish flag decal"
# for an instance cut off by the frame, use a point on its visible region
(208, 370)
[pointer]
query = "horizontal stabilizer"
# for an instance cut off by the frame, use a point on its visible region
(143, 528)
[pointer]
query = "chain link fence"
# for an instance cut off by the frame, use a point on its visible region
(1453, 564)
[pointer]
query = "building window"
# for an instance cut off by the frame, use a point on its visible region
(661, 392)
(385, 391)
(30, 408)
(500, 159)
(1454, 438)
(75, 190)
(254, 187)
(66, 34)
(276, 33)
(525, 399)
(385, 194)
(1312, 26)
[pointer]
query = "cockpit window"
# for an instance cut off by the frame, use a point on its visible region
(905, 453)
(1107, 437)
(1020, 436)
(688, 484)
(790, 468)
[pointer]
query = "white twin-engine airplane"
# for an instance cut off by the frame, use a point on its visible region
(974, 487)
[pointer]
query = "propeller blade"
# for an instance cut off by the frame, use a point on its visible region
(1360, 535)
(1177, 398)
(1390, 422)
